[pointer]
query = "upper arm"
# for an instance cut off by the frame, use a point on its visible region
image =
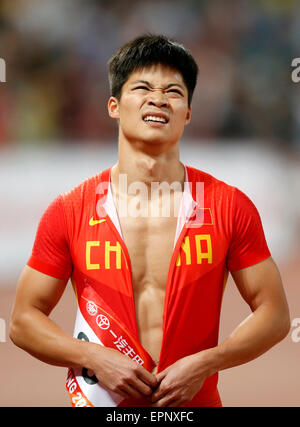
(51, 250)
(261, 284)
(248, 244)
(37, 290)
(249, 260)
(49, 267)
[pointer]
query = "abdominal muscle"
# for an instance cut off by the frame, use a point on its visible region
(150, 249)
(149, 313)
(149, 241)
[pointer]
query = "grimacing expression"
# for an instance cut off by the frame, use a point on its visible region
(153, 107)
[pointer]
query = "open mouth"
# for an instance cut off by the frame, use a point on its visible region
(155, 119)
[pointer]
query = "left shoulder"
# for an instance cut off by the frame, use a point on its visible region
(210, 182)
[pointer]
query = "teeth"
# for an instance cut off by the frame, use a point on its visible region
(155, 119)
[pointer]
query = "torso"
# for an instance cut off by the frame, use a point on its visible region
(149, 241)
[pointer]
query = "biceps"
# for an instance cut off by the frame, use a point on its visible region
(38, 290)
(260, 284)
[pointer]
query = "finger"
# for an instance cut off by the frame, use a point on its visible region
(159, 393)
(166, 401)
(161, 376)
(140, 386)
(131, 391)
(147, 377)
(122, 393)
(161, 390)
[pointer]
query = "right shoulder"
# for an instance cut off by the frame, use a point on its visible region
(83, 191)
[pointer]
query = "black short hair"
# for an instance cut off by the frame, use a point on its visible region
(147, 50)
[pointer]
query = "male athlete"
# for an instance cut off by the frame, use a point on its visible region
(149, 287)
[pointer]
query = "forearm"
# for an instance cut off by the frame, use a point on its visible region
(261, 330)
(37, 334)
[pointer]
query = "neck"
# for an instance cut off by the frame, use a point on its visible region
(147, 166)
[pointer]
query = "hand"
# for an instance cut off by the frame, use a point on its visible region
(120, 374)
(180, 382)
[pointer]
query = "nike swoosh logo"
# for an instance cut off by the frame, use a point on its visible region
(93, 221)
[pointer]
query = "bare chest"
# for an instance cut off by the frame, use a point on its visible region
(149, 241)
(150, 245)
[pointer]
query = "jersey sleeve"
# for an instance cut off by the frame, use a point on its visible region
(50, 253)
(248, 244)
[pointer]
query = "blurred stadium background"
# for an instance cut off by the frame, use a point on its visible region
(55, 132)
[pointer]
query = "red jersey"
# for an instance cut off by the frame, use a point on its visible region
(79, 237)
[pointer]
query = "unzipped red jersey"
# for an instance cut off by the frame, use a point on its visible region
(219, 230)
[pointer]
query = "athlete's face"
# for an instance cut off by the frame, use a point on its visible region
(153, 108)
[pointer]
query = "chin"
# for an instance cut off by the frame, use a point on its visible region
(156, 138)
(157, 146)
(151, 140)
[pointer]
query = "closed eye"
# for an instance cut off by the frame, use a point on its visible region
(176, 91)
(142, 87)
(147, 88)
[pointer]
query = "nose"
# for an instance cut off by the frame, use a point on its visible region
(158, 99)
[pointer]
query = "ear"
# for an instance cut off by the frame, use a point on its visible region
(188, 116)
(113, 108)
